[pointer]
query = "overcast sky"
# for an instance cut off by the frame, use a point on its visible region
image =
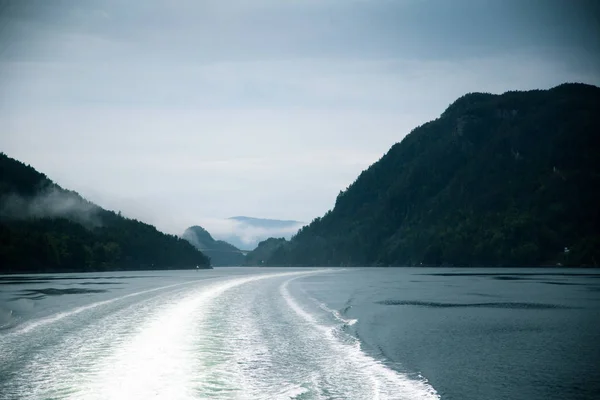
(179, 112)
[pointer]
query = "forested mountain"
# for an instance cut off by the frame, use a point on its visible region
(44, 228)
(511, 179)
(220, 252)
(264, 250)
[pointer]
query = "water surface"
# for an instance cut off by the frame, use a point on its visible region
(302, 333)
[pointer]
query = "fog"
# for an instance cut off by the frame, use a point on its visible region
(51, 202)
(246, 235)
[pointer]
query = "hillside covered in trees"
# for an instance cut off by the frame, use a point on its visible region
(264, 250)
(511, 179)
(44, 228)
(220, 252)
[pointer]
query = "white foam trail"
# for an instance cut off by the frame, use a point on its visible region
(30, 326)
(199, 343)
(385, 382)
(159, 361)
(335, 313)
(56, 370)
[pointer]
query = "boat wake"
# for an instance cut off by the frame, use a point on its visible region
(244, 337)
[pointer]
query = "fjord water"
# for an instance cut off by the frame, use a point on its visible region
(258, 333)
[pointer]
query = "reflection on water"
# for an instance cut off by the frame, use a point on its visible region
(39, 294)
(17, 279)
(573, 274)
(430, 304)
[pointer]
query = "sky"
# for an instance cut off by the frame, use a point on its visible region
(188, 112)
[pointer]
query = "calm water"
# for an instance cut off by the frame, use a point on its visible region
(303, 334)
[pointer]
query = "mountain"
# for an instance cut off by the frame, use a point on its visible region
(220, 252)
(246, 232)
(45, 228)
(263, 251)
(511, 179)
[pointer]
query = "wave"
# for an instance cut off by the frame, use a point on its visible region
(385, 383)
(337, 315)
(177, 352)
(240, 337)
(32, 325)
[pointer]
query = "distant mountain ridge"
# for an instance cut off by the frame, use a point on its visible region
(511, 179)
(220, 252)
(45, 228)
(246, 232)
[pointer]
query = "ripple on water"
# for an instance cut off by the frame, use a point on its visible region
(507, 305)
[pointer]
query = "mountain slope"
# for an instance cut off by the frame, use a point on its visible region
(510, 179)
(220, 252)
(264, 251)
(44, 228)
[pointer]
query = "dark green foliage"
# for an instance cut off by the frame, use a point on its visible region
(265, 250)
(44, 228)
(220, 252)
(510, 179)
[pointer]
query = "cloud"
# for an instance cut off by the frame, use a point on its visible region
(245, 235)
(190, 31)
(49, 203)
(274, 156)
(178, 113)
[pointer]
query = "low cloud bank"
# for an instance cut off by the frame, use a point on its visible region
(49, 203)
(246, 234)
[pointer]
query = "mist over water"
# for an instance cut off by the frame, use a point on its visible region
(256, 333)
